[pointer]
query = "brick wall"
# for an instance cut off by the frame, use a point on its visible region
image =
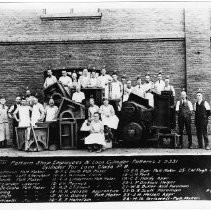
(23, 65)
(127, 40)
(198, 57)
(27, 25)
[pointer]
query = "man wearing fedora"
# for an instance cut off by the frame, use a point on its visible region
(202, 112)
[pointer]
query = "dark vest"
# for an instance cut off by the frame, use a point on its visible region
(184, 110)
(15, 107)
(201, 113)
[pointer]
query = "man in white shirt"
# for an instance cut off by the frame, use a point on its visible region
(78, 96)
(51, 111)
(169, 87)
(116, 88)
(139, 88)
(11, 116)
(66, 81)
(184, 109)
(93, 79)
(148, 86)
(29, 97)
(84, 79)
(38, 112)
(74, 80)
(202, 112)
(22, 116)
(128, 89)
(104, 80)
(50, 80)
(159, 84)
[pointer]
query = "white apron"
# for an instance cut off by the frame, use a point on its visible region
(86, 126)
(36, 113)
(51, 113)
(4, 125)
(24, 116)
(98, 137)
(149, 96)
(103, 81)
(115, 90)
(108, 118)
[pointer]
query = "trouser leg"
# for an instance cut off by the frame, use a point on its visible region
(181, 128)
(204, 133)
(199, 134)
(188, 130)
(15, 124)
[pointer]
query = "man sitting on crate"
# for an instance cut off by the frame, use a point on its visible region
(184, 108)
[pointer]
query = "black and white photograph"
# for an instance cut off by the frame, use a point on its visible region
(105, 103)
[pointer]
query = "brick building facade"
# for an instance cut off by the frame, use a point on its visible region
(131, 41)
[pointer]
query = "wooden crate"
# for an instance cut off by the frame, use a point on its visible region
(41, 133)
(21, 136)
(54, 136)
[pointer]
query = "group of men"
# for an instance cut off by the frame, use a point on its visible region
(184, 108)
(114, 89)
(28, 111)
(25, 112)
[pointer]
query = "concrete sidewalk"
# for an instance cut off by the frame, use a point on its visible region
(11, 152)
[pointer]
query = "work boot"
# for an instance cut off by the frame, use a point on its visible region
(207, 147)
(190, 146)
(90, 149)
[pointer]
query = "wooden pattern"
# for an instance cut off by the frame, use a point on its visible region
(68, 130)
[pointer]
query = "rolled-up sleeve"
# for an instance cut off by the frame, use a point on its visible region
(177, 106)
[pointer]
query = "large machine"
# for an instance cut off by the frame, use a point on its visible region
(140, 123)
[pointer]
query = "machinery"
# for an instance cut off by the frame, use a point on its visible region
(140, 123)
